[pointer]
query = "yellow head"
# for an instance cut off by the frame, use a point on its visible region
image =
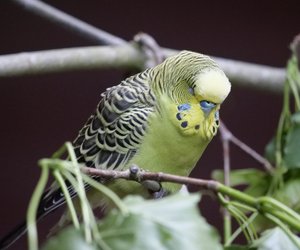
(196, 87)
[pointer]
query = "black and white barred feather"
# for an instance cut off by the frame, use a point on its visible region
(114, 132)
(112, 135)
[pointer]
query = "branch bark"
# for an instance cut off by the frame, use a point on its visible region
(129, 56)
(141, 176)
(61, 60)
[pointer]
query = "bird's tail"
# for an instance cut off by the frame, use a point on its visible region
(13, 236)
(51, 200)
(18, 231)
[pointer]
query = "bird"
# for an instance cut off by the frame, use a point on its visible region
(160, 119)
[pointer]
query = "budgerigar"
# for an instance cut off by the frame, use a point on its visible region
(161, 119)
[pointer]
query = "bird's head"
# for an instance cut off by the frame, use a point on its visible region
(198, 87)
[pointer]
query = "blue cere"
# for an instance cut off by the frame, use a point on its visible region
(207, 105)
(183, 107)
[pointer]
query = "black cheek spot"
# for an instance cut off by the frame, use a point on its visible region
(184, 124)
(197, 126)
(178, 116)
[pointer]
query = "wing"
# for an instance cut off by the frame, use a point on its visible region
(113, 134)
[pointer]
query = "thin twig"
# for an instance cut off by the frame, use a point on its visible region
(141, 176)
(226, 165)
(267, 165)
(32, 210)
(69, 22)
(225, 138)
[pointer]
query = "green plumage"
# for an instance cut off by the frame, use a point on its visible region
(161, 119)
(135, 121)
(140, 122)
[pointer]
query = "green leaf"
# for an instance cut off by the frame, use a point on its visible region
(275, 239)
(241, 176)
(68, 239)
(256, 180)
(296, 118)
(289, 194)
(170, 223)
(292, 145)
(270, 151)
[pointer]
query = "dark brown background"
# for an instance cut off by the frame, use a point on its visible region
(40, 113)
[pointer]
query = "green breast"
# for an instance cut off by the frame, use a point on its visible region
(165, 148)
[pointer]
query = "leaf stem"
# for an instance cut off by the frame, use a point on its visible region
(241, 228)
(236, 194)
(107, 192)
(33, 207)
(281, 124)
(81, 193)
(67, 197)
(279, 206)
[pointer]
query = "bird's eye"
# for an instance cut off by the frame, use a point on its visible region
(206, 105)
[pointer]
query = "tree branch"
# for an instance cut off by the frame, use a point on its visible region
(242, 73)
(141, 176)
(264, 205)
(69, 22)
(128, 56)
(226, 166)
(62, 60)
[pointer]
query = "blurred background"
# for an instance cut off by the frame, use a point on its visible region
(40, 113)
